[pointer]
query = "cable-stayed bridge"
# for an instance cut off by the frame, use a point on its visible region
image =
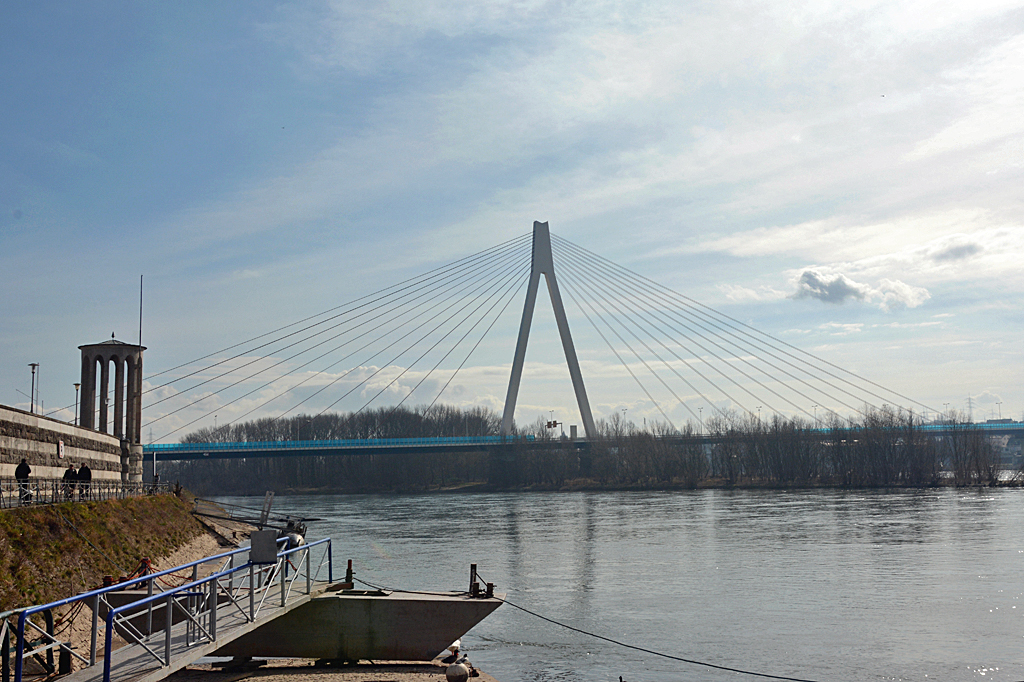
(166, 452)
(407, 344)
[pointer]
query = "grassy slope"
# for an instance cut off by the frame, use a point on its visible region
(42, 558)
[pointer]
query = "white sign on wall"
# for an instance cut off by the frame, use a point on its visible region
(60, 449)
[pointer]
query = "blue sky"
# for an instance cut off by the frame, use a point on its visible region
(843, 175)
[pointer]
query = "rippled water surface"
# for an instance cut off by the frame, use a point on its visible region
(820, 585)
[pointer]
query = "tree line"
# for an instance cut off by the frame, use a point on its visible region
(884, 448)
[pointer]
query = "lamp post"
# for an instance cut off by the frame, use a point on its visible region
(815, 407)
(1000, 406)
(32, 391)
(77, 386)
(700, 417)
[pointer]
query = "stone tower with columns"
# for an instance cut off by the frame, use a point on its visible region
(126, 359)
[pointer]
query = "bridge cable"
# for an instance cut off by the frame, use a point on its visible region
(422, 295)
(434, 304)
(748, 376)
(776, 367)
(396, 357)
(473, 349)
(285, 347)
(696, 371)
(441, 304)
(332, 365)
(717, 326)
(408, 282)
(728, 364)
(519, 264)
(511, 288)
(727, 377)
(516, 242)
(569, 290)
(743, 328)
(676, 355)
(296, 369)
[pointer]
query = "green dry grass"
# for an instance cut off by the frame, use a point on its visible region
(42, 558)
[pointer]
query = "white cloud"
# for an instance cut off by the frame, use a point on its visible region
(837, 288)
(906, 325)
(841, 329)
(845, 239)
(893, 294)
(741, 294)
(988, 398)
(830, 288)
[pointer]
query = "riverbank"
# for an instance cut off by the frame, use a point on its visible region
(55, 551)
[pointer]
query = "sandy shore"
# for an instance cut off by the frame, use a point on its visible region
(292, 670)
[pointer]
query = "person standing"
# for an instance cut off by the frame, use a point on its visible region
(84, 481)
(68, 482)
(21, 473)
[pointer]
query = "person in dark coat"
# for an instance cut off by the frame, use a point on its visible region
(84, 480)
(68, 482)
(21, 473)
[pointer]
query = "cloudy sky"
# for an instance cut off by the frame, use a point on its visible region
(843, 175)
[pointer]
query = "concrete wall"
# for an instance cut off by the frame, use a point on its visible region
(38, 438)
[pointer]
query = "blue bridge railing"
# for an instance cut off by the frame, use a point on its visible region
(334, 444)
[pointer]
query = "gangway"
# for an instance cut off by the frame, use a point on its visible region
(167, 628)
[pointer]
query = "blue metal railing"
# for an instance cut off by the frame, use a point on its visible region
(333, 444)
(188, 590)
(195, 589)
(340, 444)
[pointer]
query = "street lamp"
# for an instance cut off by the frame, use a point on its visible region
(815, 408)
(77, 386)
(700, 413)
(1000, 406)
(758, 414)
(32, 391)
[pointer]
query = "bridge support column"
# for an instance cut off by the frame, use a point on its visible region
(543, 263)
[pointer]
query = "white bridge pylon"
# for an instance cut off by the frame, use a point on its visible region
(543, 263)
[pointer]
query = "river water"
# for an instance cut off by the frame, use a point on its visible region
(819, 585)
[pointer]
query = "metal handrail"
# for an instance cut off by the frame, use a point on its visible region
(99, 594)
(211, 601)
(39, 490)
(334, 443)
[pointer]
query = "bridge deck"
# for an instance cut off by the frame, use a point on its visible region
(166, 452)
